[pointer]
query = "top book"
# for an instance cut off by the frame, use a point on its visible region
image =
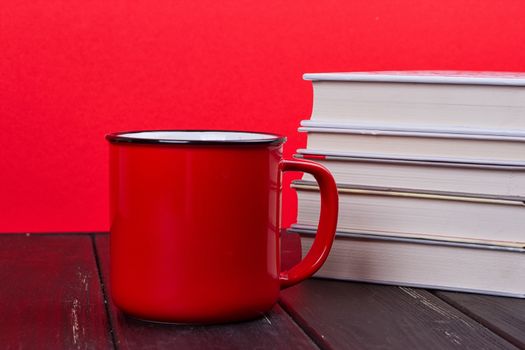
(471, 102)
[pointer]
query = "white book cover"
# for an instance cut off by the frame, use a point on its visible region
(421, 130)
(425, 77)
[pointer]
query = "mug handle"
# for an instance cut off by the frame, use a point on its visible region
(327, 222)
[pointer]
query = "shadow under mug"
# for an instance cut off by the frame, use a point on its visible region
(195, 224)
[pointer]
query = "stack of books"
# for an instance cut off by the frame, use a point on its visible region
(430, 169)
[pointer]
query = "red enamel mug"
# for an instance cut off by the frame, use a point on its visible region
(195, 224)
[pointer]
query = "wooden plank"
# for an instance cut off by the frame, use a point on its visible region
(274, 331)
(345, 315)
(504, 316)
(50, 294)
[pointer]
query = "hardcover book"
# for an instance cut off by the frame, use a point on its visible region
(446, 265)
(504, 180)
(415, 145)
(417, 214)
(421, 99)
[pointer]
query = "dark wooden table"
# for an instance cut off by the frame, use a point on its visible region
(54, 295)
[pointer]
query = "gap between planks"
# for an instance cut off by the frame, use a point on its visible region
(112, 334)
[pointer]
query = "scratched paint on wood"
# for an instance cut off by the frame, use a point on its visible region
(50, 294)
(366, 316)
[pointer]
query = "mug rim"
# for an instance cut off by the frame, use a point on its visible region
(125, 137)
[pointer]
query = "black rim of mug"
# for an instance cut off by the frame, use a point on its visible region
(117, 137)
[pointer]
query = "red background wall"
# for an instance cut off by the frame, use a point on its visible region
(71, 71)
